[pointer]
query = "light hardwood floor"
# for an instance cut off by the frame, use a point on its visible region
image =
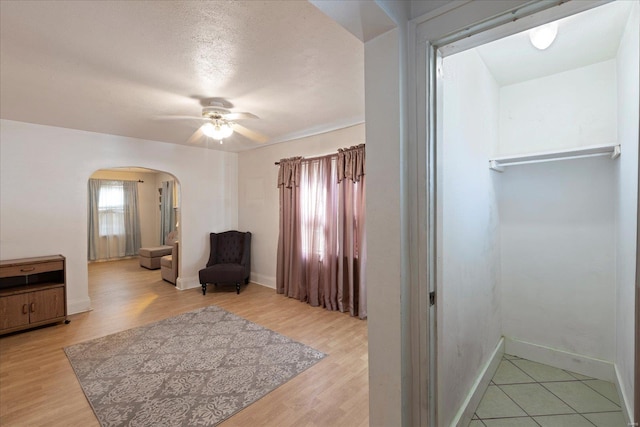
(38, 386)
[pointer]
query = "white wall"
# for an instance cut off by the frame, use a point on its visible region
(576, 108)
(147, 201)
(557, 242)
(384, 230)
(43, 194)
(557, 219)
(469, 317)
(258, 199)
(626, 174)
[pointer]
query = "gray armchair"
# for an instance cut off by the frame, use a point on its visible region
(169, 265)
(229, 260)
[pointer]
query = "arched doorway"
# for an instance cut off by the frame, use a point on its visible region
(130, 208)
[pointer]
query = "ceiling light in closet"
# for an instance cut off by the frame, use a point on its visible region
(542, 37)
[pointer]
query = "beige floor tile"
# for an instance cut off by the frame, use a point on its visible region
(605, 388)
(476, 423)
(607, 419)
(496, 404)
(578, 376)
(542, 373)
(580, 397)
(510, 357)
(511, 422)
(508, 373)
(536, 400)
(563, 421)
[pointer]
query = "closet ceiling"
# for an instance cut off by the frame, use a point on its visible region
(583, 39)
(115, 67)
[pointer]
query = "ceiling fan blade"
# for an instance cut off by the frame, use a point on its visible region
(196, 137)
(179, 118)
(240, 116)
(252, 135)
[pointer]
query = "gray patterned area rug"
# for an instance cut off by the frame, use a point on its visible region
(195, 369)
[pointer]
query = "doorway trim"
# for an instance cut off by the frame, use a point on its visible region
(456, 27)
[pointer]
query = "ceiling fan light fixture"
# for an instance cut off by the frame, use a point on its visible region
(218, 130)
(541, 37)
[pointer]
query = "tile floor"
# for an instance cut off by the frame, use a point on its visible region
(523, 393)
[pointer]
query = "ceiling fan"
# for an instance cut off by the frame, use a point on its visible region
(220, 123)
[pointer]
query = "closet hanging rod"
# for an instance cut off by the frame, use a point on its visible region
(498, 164)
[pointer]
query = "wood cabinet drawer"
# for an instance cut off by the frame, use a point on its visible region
(23, 270)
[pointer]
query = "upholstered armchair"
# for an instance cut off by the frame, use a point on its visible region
(169, 265)
(229, 260)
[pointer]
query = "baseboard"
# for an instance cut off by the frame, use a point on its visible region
(264, 285)
(595, 368)
(464, 415)
(184, 283)
(78, 306)
(261, 279)
(625, 401)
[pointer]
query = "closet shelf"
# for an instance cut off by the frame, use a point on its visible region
(498, 163)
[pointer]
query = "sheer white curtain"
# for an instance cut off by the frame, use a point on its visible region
(113, 219)
(318, 219)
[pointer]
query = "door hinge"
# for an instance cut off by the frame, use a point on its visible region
(432, 298)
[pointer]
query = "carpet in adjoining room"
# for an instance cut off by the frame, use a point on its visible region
(195, 369)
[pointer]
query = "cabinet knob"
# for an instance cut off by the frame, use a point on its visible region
(33, 307)
(24, 308)
(24, 270)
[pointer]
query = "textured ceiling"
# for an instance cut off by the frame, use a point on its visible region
(118, 67)
(583, 39)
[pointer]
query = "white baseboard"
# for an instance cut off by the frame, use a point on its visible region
(464, 415)
(184, 283)
(264, 280)
(595, 368)
(625, 401)
(262, 284)
(79, 306)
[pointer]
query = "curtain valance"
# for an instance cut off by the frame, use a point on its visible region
(289, 172)
(351, 163)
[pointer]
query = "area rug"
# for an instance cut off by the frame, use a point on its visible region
(195, 369)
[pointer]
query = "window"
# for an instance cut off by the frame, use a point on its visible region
(317, 205)
(111, 209)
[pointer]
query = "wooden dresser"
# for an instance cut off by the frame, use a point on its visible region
(32, 292)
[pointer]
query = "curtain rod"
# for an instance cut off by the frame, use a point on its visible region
(326, 155)
(314, 158)
(123, 180)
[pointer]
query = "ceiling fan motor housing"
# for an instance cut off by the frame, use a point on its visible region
(214, 112)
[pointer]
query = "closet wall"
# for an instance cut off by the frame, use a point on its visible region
(626, 211)
(469, 286)
(557, 218)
